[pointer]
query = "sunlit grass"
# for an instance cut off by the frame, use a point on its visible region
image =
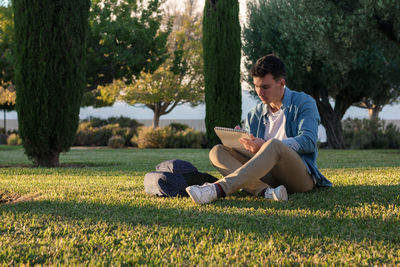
(97, 213)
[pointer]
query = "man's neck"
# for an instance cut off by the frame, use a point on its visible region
(275, 106)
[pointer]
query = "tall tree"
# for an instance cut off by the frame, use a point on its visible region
(160, 91)
(222, 53)
(6, 42)
(7, 102)
(179, 80)
(7, 89)
(328, 54)
(50, 45)
(125, 37)
(383, 18)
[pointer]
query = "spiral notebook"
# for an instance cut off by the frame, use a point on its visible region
(230, 138)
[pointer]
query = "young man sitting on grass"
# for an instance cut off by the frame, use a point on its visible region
(284, 132)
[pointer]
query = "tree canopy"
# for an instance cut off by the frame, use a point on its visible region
(334, 50)
(177, 81)
(6, 43)
(7, 88)
(7, 98)
(125, 37)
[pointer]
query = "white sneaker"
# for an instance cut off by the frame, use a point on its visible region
(277, 194)
(202, 194)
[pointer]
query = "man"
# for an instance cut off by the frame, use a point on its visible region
(284, 132)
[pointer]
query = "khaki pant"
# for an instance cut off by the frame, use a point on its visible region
(274, 164)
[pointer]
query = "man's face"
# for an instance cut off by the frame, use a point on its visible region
(268, 90)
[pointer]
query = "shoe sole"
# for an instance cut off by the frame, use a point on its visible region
(193, 196)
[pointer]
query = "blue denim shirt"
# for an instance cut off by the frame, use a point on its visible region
(302, 120)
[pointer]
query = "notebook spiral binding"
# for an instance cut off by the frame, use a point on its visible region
(230, 129)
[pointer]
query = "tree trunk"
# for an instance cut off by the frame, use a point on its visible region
(374, 112)
(373, 109)
(330, 118)
(333, 128)
(332, 124)
(49, 161)
(5, 124)
(158, 110)
(156, 120)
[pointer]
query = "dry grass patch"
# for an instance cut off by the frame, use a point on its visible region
(13, 198)
(7, 197)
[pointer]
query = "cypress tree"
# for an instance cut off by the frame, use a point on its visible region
(50, 44)
(221, 50)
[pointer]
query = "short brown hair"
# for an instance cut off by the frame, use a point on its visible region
(269, 64)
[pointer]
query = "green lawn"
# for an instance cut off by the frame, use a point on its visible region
(94, 211)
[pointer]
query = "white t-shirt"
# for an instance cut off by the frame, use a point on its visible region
(275, 127)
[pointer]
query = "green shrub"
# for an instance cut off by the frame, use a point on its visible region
(103, 134)
(168, 137)
(126, 133)
(3, 139)
(370, 134)
(13, 140)
(88, 135)
(95, 122)
(97, 132)
(84, 134)
(142, 131)
(194, 139)
(123, 122)
(116, 141)
(154, 138)
(178, 126)
(393, 136)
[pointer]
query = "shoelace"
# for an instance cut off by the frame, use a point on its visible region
(270, 193)
(208, 190)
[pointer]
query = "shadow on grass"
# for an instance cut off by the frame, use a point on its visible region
(8, 148)
(248, 215)
(62, 165)
(327, 198)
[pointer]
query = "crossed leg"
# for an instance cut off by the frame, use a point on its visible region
(274, 164)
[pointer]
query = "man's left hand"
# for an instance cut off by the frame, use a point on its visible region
(252, 144)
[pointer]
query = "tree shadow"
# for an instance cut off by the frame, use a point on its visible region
(329, 198)
(250, 216)
(62, 165)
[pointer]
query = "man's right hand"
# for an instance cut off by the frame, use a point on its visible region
(252, 144)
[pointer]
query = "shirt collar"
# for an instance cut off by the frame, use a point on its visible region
(286, 98)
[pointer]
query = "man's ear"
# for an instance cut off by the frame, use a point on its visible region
(283, 82)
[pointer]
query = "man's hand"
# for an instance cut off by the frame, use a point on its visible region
(252, 144)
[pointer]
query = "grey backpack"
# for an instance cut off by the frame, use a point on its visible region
(171, 177)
